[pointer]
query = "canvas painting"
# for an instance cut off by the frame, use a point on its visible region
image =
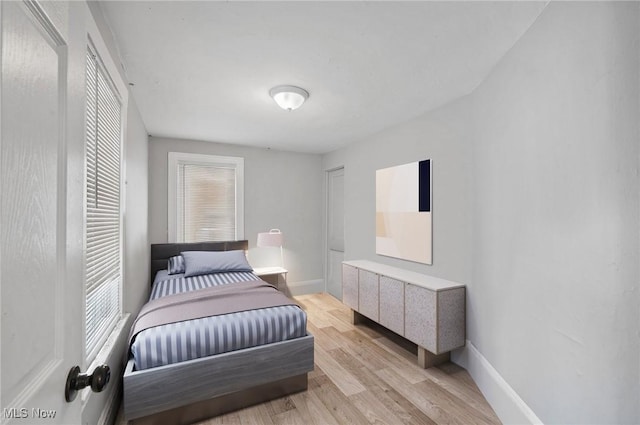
(403, 212)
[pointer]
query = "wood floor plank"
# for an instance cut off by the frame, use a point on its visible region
(342, 315)
(355, 348)
(339, 404)
(461, 375)
(321, 337)
(467, 393)
(375, 411)
(330, 302)
(362, 347)
(305, 303)
(291, 417)
(279, 405)
(461, 412)
(320, 313)
(405, 411)
(379, 358)
(343, 379)
(315, 315)
(312, 409)
(420, 400)
(354, 364)
(255, 415)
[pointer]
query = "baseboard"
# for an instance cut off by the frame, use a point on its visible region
(306, 287)
(507, 404)
(110, 412)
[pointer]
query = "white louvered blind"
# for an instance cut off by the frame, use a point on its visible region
(102, 221)
(206, 201)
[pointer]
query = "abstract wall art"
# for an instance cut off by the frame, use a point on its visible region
(403, 212)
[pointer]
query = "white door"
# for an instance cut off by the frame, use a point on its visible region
(335, 231)
(40, 254)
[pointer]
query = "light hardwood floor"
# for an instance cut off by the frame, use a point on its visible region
(365, 374)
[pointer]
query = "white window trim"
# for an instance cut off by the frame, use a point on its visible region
(176, 158)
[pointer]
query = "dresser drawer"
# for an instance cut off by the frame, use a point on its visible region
(392, 304)
(368, 294)
(420, 316)
(350, 286)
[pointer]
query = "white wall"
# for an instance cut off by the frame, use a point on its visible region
(438, 136)
(282, 190)
(555, 215)
(136, 240)
(536, 206)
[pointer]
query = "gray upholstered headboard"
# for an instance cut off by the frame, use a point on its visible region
(161, 252)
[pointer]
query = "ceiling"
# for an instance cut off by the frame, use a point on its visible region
(203, 70)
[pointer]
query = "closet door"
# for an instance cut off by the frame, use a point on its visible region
(335, 230)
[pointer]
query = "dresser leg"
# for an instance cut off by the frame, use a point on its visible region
(427, 359)
(356, 317)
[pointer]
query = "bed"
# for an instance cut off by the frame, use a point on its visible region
(268, 356)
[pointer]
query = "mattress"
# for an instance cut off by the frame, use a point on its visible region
(191, 339)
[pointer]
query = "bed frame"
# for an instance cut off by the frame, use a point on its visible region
(198, 389)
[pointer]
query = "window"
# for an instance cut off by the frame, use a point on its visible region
(205, 197)
(103, 230)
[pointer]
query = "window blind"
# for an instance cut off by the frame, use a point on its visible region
(206, 202)
(103, 274)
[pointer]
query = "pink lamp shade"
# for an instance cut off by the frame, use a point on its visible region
(271, 238)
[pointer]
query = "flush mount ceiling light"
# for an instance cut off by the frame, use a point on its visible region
(289, 97)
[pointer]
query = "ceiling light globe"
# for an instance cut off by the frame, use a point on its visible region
(289, 97)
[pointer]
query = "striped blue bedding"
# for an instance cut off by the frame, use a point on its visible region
(169, 284)
(190, 339)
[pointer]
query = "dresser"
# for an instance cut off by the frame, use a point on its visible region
(426, 310)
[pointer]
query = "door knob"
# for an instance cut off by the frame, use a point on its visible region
(77, 381)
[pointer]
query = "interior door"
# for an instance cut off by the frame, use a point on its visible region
(335, 231)
(41, 300)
